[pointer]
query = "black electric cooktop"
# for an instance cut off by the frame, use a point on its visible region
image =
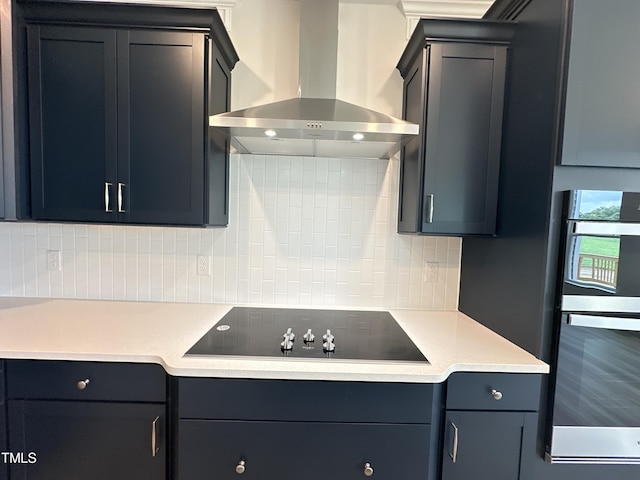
(308, 334)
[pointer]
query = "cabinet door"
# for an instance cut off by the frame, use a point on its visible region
(481, 444)
(72, 122)
(217, 164)
(411, 163)
(81, 440)
(463, 138)
(161, 126)
(602, 109)
(4, 472)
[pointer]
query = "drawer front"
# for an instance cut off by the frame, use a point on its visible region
(294, 450)
(298, 400)
(61, 380)
(475, 391)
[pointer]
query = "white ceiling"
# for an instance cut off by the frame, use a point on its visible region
(412, 9)
(451, 7)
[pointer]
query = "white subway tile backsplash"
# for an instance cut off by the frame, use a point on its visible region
(303, 231)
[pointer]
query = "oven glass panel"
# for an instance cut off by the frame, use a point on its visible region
(600, 205)
(598, 377)
(592, 262)
(601, 265)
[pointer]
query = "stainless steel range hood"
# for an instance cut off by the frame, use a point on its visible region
(316, 124)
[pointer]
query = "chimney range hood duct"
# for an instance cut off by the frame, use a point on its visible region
(316, 124)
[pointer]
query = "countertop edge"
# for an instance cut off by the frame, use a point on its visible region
(161, 333)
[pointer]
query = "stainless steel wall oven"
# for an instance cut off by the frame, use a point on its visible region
(595, 401)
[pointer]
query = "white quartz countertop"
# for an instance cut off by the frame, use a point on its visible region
(147, 332)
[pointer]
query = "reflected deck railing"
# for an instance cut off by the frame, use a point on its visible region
(599, 269)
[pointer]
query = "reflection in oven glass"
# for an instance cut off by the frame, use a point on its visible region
(598, 379)
(593, 261)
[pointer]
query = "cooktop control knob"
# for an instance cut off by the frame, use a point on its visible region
(308, 337)
(287, 343)
(290, 333)
(329, 347)
(328, 337)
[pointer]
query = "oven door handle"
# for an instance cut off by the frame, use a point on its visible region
(609, 323)
(582, 227)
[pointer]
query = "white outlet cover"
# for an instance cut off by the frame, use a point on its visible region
(203, 265)
(54, 260)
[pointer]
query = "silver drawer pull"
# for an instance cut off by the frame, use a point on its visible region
(154, 437)
(240, 467)
(120, 197)
(107, 201)
(430, 198)
(368, 470)
(496, 394)
(82, 384)
(454, 452)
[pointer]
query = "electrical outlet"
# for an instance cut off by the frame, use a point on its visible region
(54, 260)
(203, 265)
(430, 273)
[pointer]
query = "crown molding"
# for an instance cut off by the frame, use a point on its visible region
(415, 9)
(224, 7)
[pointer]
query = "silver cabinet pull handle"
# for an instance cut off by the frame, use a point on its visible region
(431, 207)
(154, 437)
(454, 453)
(496, 394)
(240, 467)
(107, 202)
(82, 384)
(368, 470)
(120, 197)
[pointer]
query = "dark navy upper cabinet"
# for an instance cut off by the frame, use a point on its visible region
(602, 103)
(454, 76)
(118, 113)
(72, 73)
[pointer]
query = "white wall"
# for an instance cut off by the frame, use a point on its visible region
(370, 43)
(371, 40)
(265, 34)
(302, 231)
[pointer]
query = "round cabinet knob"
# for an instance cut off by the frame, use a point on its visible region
(368, 470)
(240, 468)
(82, 384)
(496, 395)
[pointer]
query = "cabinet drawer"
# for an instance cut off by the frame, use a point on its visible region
(299, 400)
(60, 380)
(293, 450)
(473, 391)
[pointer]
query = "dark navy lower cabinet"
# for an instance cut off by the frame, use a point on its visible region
(56, 434)
(490, 420)
(338, 430)
(4, 473)
(290, 450)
